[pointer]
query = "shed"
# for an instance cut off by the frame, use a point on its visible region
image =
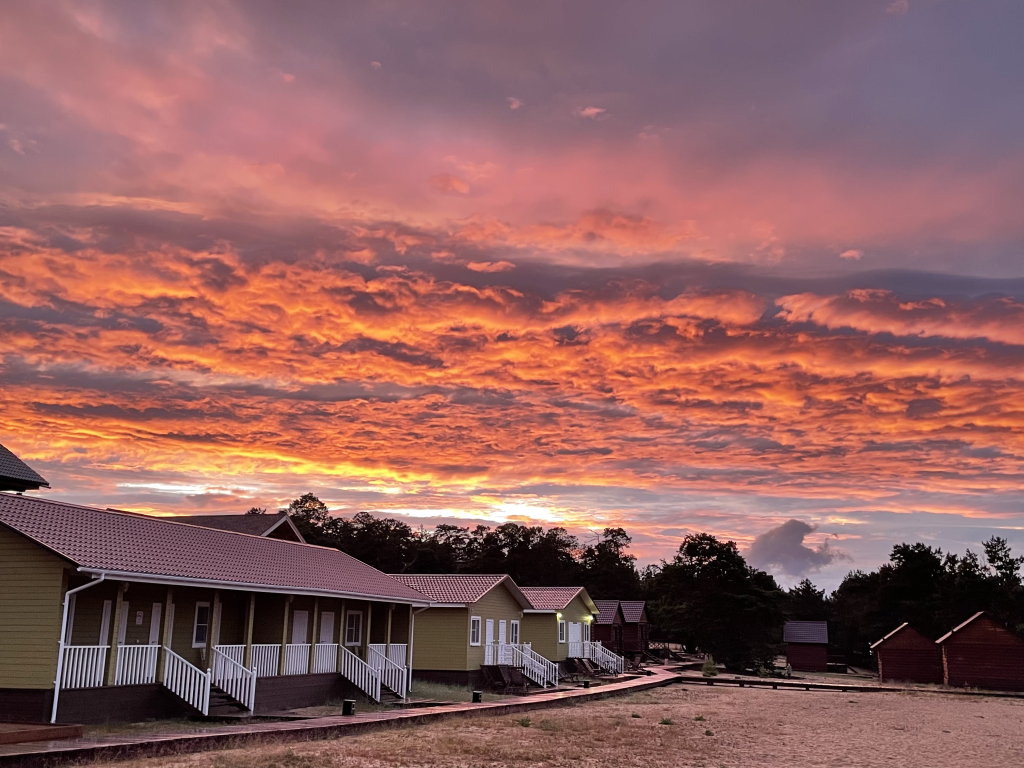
(607, 627)
(982, 653)
(806, 645)
(636, 628)
(907, 655)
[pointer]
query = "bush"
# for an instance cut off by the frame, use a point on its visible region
(523, 721)
(665, 721)
(710, 669)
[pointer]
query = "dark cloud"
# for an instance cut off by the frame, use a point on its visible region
(783, 549)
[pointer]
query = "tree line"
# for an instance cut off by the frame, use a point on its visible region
(705, 597)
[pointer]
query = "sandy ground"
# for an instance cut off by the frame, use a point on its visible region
(682, 726)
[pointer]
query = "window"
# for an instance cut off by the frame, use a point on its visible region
(201, 627)
(586, 631)
(513, 633)
(474, 630)
(353, 627)
(561, 631)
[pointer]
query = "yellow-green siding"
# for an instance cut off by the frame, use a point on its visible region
(31, 592)
(541, 629)
(499, 605)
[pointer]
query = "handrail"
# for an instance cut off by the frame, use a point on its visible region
(234, 652)
(296, 658)
(392, 675)
(265, 659)
(325, 658)
(396, 651)
(187, 681)
(83, 666)
(361, 674)
(234, 679)
(136, 664)
(609, 661)
(541, 667)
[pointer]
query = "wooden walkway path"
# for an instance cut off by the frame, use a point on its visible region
(46, 753)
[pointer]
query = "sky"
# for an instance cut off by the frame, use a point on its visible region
(749, 268)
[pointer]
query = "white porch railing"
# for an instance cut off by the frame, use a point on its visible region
(325, 658)
(392, 675)
(136, 664)
(361, 674)
(577, 650)
(396, 652)
(542, 671)
(235, 680)
(83, 666)
(593, 650)
(234, 652)
(266, 659)
(296, 659)
(187, 681)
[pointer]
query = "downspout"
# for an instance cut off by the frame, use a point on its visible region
(63, 638)
(412, 634)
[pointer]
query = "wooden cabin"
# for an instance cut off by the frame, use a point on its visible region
(472, 620)
(279, 526)
(636, 627)
(982, 653)
(559, 626)
(806, 645)
(112, 616)
(607, 626)
(905, 655)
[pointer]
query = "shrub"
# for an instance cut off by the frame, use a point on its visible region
(635, 715)
(523, 721)
(709, 732)
(699, 719)
(665, 721)
(710, 669)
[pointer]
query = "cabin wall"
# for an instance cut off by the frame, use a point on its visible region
(984, 655)
(807, 657)
(541, 631)
(498, 604)
(30, 612)
(441, 640)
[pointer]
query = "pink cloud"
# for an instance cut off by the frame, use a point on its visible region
(446, 182)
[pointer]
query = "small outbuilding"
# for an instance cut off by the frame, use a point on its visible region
(982, 653)
(806, 645)
(906, 655)
(607, 626)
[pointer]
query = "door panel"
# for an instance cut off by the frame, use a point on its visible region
(300, 625)
(326, 627)
(502, 631)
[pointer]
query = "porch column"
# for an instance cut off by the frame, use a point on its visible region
(284, 636)
(341, 634)
(369, 624)
(166, 634)
(115, 631)
(214, 630)
(387, 632)
(408, 639)
(315, 632)
(250, 615)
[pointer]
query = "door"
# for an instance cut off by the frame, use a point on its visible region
(502, 631)
(300, 623)
(576, 639)
(489, 642)
(326, 627)
(105, 623)
(154, 624)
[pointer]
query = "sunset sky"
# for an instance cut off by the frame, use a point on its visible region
(682, 266)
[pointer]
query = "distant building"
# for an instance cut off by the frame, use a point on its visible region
(906, 655)
(17, 476)
(279, 526)
(806, 645)
(982, 653)
(622, 625)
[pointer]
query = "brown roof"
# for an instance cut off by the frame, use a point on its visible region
(632, 610)
(556, 598)
(137, 547)
(957, 628)
(898, 629)
(255, 525)
(16, 475)
(812, 632)
(459, 588)
(607, 609)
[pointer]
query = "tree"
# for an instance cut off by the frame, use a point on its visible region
(1002, 561)
(805, 602)
(256, 511)
(313, 520)
(709, 599)
(608, 572)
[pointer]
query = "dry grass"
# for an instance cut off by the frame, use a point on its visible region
(740, 727)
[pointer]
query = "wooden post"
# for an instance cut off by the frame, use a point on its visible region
(166, 634)
(115, 629)
(387, 632)
(314, 631)
(369, 623)
(408, 639)
(284, 636)
(341, 634)
(250, 616)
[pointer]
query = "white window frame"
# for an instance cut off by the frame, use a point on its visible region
(513, 632)
(586, 631)
(196, 625)
(562, 631)
(359, 640)
(476, 626)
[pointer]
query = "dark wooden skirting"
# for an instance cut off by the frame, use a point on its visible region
(460, 678)
(23, 705)
(274, 694)
(119, 703)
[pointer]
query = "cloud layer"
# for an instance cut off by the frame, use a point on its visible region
(678, 281)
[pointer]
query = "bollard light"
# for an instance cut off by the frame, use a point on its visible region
(478, 697)
(348, 706)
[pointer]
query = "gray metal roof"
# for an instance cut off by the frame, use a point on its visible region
(806, 632)
(16, 475)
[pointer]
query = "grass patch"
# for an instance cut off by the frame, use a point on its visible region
(635, 715)
(699, 719)
(524, 722)
(709, 732)
(665, 721)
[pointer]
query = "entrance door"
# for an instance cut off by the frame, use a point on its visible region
(489, 642)
(326, 627)
(300, 623)
(575, 632)
(502, 631)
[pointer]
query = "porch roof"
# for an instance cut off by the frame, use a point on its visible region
(141, 548)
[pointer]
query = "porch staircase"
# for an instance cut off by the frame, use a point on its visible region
(223, 704)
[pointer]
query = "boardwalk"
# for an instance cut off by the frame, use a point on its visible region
(80, 750)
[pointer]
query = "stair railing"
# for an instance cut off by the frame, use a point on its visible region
(360, 674)
(187, 681)
(235, 680)
(392, 676)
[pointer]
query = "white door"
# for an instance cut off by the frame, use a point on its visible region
(326, 627)
(489, 657)
(502, 631)
(154, 624)
(575, 631)
(489, 632)
(300, 623)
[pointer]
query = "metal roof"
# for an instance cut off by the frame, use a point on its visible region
(805, 632)
(255, 525)
(141, 548)
(607, 610)
(459, 588)
(16, 475)
(556, 598)
(632, 610)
